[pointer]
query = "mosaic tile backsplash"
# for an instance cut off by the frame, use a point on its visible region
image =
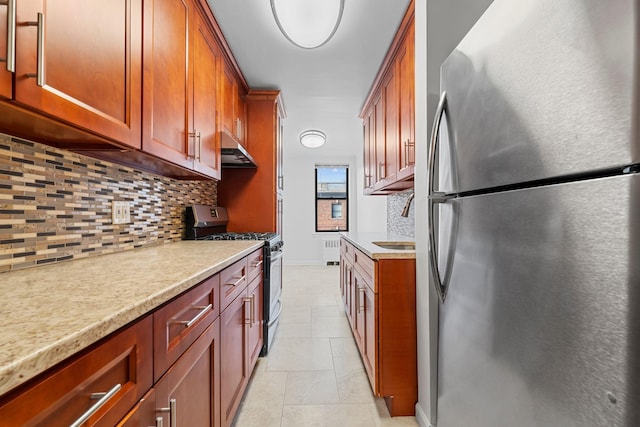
(56, 205)
(396, 223)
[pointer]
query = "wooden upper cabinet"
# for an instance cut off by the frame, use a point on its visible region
(406, 90)
(90, 56)
(6, 82)
(206, 58)
(233, 105)
(389, 117)
(168, 86)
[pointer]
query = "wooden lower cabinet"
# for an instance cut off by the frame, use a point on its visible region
(122, 364)
(186, 364)
(189, 393)
(379, 297)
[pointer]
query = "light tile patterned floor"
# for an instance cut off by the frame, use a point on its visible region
(313, 376)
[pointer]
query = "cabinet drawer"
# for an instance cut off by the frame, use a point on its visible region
(233, 281)
(121, 365)
(255, 264)
(347, 250)
(179, 323)
(366, 266)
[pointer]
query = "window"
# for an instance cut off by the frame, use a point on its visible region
(332, 198)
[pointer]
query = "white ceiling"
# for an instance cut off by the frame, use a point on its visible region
(323, 88)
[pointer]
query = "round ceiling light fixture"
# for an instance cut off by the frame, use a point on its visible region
(312, 138)
(308, 24)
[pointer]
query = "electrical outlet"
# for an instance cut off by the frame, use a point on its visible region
(120, 212)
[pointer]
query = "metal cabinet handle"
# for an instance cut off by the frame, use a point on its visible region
(159, 422)
(203, 311)
(258, 264)
(199, 139)
(247, 319)
(102, 399)
(172, 410)
(40, 72)
(237, 282)
(408, 145)
(381, 166)
(11, 35)
(361, 291)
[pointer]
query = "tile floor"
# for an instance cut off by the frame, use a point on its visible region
(313, 375)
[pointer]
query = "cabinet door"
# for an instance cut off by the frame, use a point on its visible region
(379, 138)
(6, 77)
(240, 116)
(279, 155)
(358, 310)
(206, 58)
(370, 347)
(369, 150)
(406, 90)
(255, 333)
(233, 360)
(229, 98)
(90, 53)
(189, 391)
(389, 167)
(167, 84)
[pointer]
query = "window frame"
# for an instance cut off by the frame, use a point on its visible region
(345, 215)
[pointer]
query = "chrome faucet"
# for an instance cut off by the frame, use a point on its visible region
(407, 204)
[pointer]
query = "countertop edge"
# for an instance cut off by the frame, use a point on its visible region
(364, 242)
(26, 368)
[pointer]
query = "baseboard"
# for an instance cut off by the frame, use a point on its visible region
(421, 417)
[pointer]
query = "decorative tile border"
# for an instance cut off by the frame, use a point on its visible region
(55, 205)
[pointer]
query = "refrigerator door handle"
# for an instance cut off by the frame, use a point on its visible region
(435, 197)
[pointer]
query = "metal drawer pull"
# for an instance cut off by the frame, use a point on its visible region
(203, 311)
(11, 35)
(360, 299)
(159, 422)
(257, 264)
(172, 410)
(103, 398)
(247, 320)
(237, 282)
(39, 75)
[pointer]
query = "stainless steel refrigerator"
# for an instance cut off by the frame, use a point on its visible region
(534, 218)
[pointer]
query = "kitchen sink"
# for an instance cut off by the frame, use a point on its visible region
(400, 246)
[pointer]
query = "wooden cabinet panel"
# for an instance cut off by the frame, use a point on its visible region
(63, 395)
(179, 323)
(206, 58)
(102, 94)
(406, 90)
(379, 136)
(389, 165)
(369, 156)
(191, 385)
(229, 89)
(168, 89)
(143, 414)
(6, 77)
(370, 332)
(233, 359)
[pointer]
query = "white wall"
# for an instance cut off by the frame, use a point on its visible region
(344, 146)
(440, 25)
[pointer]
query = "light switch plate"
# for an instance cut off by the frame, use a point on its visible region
(120, 212)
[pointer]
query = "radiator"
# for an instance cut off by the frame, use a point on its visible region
(330, 251)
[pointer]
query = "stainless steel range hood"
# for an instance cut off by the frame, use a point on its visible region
(233, 154)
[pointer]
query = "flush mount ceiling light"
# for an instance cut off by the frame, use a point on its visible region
(308, 24)
(312, 138)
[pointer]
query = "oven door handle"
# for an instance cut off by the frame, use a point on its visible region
(277, 316)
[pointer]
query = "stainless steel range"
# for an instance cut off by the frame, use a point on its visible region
(210, 223)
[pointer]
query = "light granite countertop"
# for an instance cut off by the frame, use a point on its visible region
(51, 312)
(364, 242)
